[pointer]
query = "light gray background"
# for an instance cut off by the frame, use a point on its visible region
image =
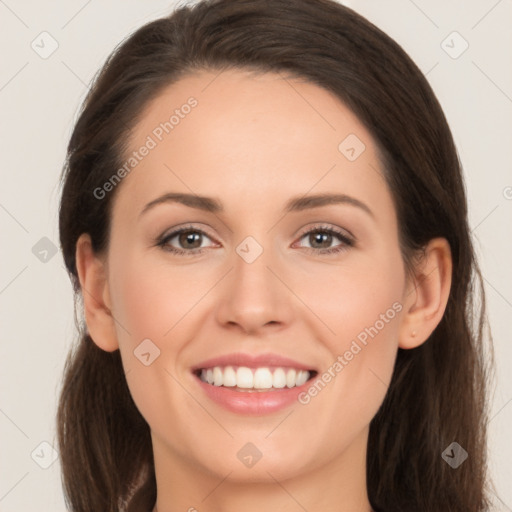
(39, 100)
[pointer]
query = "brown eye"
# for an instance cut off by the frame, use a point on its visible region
(190, 239)
(185, 241)
(323, 239)
(320, 240)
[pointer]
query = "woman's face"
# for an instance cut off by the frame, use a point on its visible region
(265, 277)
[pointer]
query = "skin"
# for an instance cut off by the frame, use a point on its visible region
(253, 142)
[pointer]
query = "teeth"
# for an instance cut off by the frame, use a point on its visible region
(291, 378)
(244, 378)
(229, 379)
(249, 378)
(262, 378)
(279, 378)
(302, 377)
(218, 378)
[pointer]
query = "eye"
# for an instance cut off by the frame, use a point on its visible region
(189, 239)
(320, 239)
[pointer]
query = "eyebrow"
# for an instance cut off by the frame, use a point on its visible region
(297, 204)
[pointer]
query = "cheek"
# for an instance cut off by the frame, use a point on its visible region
(148, 301)
(150, 297)
(369, 326)
(361, 308)
(359, 298)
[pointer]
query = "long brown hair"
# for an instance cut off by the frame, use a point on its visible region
(438, 392)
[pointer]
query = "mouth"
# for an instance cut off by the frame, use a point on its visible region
(255, 380)
(253, 384)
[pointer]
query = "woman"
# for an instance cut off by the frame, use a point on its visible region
(316, 346)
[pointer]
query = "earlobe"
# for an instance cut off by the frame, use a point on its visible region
(425, 300)
(96, 297)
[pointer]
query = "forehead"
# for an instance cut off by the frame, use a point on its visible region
(240, 134)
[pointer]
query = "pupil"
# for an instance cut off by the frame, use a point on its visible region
(190, 237)
(325, 236)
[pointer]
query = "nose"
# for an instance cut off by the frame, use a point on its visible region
(254, 297)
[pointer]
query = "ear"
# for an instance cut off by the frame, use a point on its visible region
(427, 294)
(96, 298)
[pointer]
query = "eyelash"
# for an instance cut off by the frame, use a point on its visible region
(347, 242)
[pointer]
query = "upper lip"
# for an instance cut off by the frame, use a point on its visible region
(252, 361)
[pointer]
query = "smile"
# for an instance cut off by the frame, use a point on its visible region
(243, 378)
(253, 384)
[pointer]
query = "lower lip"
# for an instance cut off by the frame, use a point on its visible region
(256, 402)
